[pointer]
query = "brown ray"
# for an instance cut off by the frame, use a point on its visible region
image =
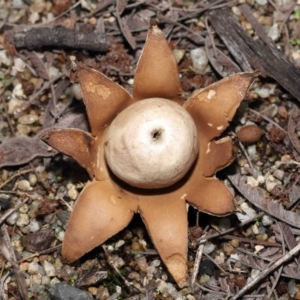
(103, 98)
(101, 210)
(157, 73)
(166, 220)
(213, 107)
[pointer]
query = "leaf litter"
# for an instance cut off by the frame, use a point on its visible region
(271, 192)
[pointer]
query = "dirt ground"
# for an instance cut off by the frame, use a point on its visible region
(252, 253)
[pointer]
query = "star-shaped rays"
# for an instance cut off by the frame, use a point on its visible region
(106, 205)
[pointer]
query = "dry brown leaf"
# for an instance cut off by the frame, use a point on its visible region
(221, 63)
(255, 196)
(121, 4)
(37, 64)
(8, 253)
(21, 150)
(292, 125)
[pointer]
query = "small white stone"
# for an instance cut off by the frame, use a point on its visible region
(248, 210)
(142, 263)
(252, 181)
(53, 72)
(32, 179)
(270, 185)
(72, 191)
(76, 90)
(19, 66)
(110, 248)
(4, 59)
(261, 2)
(28, 119)
(150, 270)
(242, 218)
(179, 54)
(279, 174)
(199, 60)
(13, 104)
(130, 81)
(274, 33)
(118, 262)
(260, 179)
(255, 229)
(119, 244)
(36, 279)
(266, 220)
(251, 149)
(11, 220)
(292, 288)
(254, 273)
(18, 91)
(234, 257)
(60, 236)
(23, 129)
(23, 220)
(263, 92)
(49, 269)
(23, 185)
(118, 289)
(54, 281)
(24, 209)
(155, 263)
(45, 280)
(258, 248)
(208, 248)
(34, 226)
(33, 268)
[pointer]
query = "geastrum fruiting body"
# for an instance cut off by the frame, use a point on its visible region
(149, 153)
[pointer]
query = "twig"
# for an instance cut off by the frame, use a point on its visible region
(2, 288)
(9, 254)
(52, 249)
(7, 116)
(38, 93)
(249, 241)
(217, 265)
(247, 157)
(197, 261)
(60, 37)
(17, 174)
(278, 273)
(10, 211)
(111, 263)
(208, 237)
(266, 272)
(267, 119)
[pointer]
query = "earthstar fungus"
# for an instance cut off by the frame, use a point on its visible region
(107, 203)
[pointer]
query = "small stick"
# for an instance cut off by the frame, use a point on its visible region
(266, 272)
(10, 211)
(18, 173)
(110, 261)
(197, 261)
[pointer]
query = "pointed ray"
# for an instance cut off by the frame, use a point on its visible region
(157, 73)
(207, 194)
(212, 107)
(166, 220)
(103, 98)
(82, 147)
(101, 210)
(216, 155)
(211, 196)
